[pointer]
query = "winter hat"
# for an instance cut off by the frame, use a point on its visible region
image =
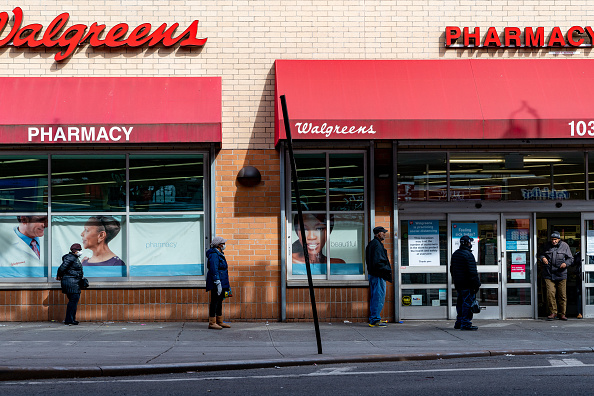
(75, 247)
(556, 234)
(216, 241)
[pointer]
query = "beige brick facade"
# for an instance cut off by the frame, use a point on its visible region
(244, 39)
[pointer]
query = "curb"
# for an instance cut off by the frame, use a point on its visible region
(29, 373)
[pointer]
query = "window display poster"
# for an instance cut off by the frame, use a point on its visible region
(518, 258)
(416, 299)
(343, 243)
(23, 241)
(518, 271)
(516, 239)
(166, 245)
(101, 239)
(590, 242)
(461, 229)
(347, 245)
(423, 242)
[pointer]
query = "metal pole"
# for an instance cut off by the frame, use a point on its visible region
(312, 295)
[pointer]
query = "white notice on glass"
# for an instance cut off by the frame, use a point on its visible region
(423, 242)
(590, 243)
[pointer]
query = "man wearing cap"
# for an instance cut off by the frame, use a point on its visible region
(379, 271)
(467, 282)
(556, 256)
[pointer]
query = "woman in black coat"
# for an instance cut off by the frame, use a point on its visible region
(70, 273)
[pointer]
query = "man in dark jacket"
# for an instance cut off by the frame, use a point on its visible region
(70, 273)
(379, 271)
(556, 257)
(467, 282)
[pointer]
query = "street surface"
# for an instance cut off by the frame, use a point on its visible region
(558, 374)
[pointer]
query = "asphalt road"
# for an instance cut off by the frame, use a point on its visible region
(501, 375)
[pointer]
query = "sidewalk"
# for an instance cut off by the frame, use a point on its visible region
(50, 349)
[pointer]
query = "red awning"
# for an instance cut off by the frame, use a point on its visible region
(110, 109)
(434, 99)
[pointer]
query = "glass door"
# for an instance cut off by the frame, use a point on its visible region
(422, 267)
(487, 252)
(517, 290)
(586, 274)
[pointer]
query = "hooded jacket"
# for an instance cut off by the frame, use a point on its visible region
(71, 272)
(556, 255)
(463, 269)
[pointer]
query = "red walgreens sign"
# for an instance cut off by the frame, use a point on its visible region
(512, 37)
(29, 36)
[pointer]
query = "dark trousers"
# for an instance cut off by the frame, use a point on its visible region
(71, 307)
(216, 304)
(463, 303)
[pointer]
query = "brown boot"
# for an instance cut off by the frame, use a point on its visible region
(212, 324)
(221, 323)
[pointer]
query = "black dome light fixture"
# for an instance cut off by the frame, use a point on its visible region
(249, 176)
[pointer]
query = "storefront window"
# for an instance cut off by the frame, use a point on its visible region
(23, 183)
(334, 238)
(312, 182)
(87, 205)
(509, 176)
(422, 177)
(161, 183)
(87, 183)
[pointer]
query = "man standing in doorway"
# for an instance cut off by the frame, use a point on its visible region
(379, 271)
(556, 257)
(466, 281)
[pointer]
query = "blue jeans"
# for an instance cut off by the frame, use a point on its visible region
(71, 307)
(463, 303)
(377, 295)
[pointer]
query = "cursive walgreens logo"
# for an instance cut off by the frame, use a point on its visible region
(30, 35)
(327, 130)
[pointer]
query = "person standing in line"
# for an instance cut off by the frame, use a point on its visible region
(556, 257)
(379, 271)
(69, 274)
(466, 280)
(217, 279)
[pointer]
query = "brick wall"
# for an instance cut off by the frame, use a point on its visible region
(245, 37)
(249, 217)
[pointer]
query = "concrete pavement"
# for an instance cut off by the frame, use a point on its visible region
(51, 350)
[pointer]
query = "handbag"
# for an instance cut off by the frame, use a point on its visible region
(475, 307)
(227, 292)
(83, 283)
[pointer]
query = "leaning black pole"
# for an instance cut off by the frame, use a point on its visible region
(312, 295)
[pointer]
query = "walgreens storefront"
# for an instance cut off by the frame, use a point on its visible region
(435, 149)
(120, 165)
